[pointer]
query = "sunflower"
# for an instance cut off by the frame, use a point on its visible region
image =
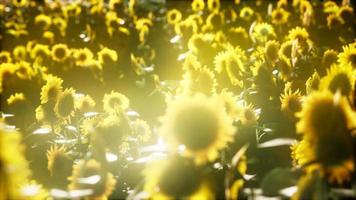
(286, 49)
(141, 129)
(201, 80)
(52, 89)
(72, 10)
(326, 121)
(85, 104)
(43, 21)
(213, 5)
(329, 57)
(113, 4)
(299, 34)
(234, 68)
(263, 32)
(186, 182)
(334, 22)
(246, 13)
(103, 182)
(198, 41)
(280, 16)
(40, 51)
(330, 7)
(19, 53)
(271, 50)
(60, 52)
(291, 102)
(285, 67)
(198, 5)
(186, 27)
(312, 83)
(348, 55)
(230, 103)
(214, 20)
(199, 123)
(5, 57)
(58, 161)
(61, 25)
(12, 157)
(107, 55)
(191, 63)
(248, 114)
(64, 107)
(83, 56)
(346, 13)
(173, 16)
(339, 78)
(115, 102)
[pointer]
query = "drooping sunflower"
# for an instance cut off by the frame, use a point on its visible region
(329, 58)
(213, 5)
(312, 83)
(348, 56)
(83, 56)
(280, 16)
(103, 182)
(271, 50)
(339, 78)
(198, 5)
(115, 102)
(334, 22)
(107, 55)
(198, 123)
(299, 34)
(64, 107)
(43, 21)
(285, 67)
(12, 157)
(19, 53)
(326, 121)
(59, 163)
(234, 68)
(52, 89)
(60, 52)
(291, 102)
(173, 16)
(186, 182)
(40, 51)
(248, 114)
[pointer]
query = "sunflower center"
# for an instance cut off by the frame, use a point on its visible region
(82, 57)
(340, 81)
(66, 105)
(294, 104)
(60, 53)
(352, 59)
(278, 16)
(196, 127)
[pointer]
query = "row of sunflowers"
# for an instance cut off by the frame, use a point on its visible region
(161, 99)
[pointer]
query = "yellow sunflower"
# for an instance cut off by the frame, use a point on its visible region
(346, 13)
(102, 184)
(85, 104)
(291, 102)
(271, 50)
(213, 5)
(280, 16)
(20, 3)
(263, 32)
(58, 161)
(19, 53)
(329, 57)
(40, 51)
(173, 16)
(83, 56)
(198, 5)
(198, 123)
(246, 13)
(186, 27)
(348, 55)
(312, 83)
(230, 103)
(339, 78)
(326, 121)
(115, 102)
(64, 107)
(234, 68)
(201, 80)
(60, 52)
(248, 114)
(186, 182)
(5, 57)
(299, 34)
(12, 157)
(52, 89)
(43, 21)
(107, 55)
(330, 7)
(285, 67)
(334, 22)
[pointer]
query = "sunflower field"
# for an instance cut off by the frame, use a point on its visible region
(177, 99)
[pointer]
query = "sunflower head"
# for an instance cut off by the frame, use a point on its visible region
(348, 56)
(200, 124)
(115, 102)
(43, 21)
(52, 89)
(40, 51)
(59, 162)
(161, 182)
(334, 21)
(173, 16)
(326, 121)
(107, 56)
(291, 102)
(312, 83)
(102, 184)
(329, 57)
(83, 56)
(246, 13)
(285, 67)
(19, 53)
(299, 34)
(346, 13)
(248, 115)
(5, 57)
(229, 100)
(263, 32)
(198, 5)
(213, 5)
(339, 78)
(201, 80)
(280, 16)
(271, 50)
(60, 52)
(64, 107)
(85, 104)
